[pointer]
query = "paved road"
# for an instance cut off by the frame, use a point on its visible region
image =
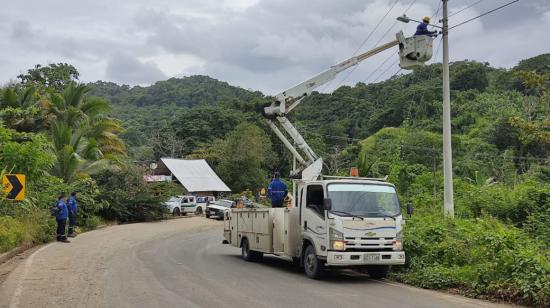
(182, 263)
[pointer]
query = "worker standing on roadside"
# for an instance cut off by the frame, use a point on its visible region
(422, 28)
(61, 218)
(73, 210)
(277, 191)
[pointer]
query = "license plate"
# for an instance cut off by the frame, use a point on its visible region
(372, 257)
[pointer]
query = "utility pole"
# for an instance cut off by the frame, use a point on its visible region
(448, 203)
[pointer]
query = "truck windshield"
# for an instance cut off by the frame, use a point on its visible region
(366, 200)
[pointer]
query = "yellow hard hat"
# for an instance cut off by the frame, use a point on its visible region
(426, 18)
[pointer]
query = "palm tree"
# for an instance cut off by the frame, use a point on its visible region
(84, 139)
(20, 109)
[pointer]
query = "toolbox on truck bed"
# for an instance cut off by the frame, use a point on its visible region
(267, 230)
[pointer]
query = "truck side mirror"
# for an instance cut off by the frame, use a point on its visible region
(410, 208)
(327, 204)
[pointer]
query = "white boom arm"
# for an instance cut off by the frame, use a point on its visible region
(286, 101)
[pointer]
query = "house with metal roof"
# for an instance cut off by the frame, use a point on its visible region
(195, 175)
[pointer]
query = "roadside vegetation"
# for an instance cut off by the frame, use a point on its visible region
(62, 139)
(496, 247)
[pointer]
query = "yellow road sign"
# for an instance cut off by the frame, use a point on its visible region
(13, 185)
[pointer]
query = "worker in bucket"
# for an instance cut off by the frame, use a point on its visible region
(277, 191)
(422, 28)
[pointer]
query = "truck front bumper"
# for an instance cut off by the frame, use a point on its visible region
(348, 258)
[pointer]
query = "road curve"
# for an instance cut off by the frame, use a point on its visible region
(182, 263)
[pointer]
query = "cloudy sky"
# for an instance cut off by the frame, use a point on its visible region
(265, 45)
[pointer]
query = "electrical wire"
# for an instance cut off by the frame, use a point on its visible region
(481, 15)
(391, 55)
(379, 66)
(427, 149)
(382, 37)
(386, 70)
(368, 37)
(464, 9)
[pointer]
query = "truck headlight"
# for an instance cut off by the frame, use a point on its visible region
(337, 240)
(397, 245)
(338, 245)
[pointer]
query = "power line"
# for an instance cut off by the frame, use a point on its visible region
(481, 15)
(368, 37)
(379, 66)
(464, 9)
(376, 44)
(430, 149)
(437, 49)
(386, 70)
(391, 55)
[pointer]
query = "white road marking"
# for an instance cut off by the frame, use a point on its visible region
(14, 303)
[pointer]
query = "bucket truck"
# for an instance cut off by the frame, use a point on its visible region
(332, 221)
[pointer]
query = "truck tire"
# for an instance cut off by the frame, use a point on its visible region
(378, 271)
(198, 211)
(249, 255)
(313, 267)
(176, 212)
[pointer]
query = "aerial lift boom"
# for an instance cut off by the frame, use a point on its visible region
(413, 52)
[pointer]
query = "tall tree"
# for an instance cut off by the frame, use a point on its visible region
(55, 76)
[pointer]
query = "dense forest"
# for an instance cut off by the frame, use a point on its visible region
(497, 247)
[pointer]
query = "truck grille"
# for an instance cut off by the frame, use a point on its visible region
(369, 243)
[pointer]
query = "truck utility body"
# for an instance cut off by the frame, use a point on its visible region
(335, 222)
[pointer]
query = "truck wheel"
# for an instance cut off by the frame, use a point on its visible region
(378, 271)
(249, 255)
(313, 267)
(176, 212)
(198, 211)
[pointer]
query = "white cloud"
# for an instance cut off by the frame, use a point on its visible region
(266, 45)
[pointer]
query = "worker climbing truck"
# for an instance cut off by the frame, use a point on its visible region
(333, 221)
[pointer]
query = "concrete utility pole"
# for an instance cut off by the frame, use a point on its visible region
(448, 203)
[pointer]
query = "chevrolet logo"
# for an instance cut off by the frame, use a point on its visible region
(370, 234)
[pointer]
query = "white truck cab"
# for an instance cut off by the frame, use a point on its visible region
(333, 223)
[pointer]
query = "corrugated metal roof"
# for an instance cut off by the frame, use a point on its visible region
(195, 175)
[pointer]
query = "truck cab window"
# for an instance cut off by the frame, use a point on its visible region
(315, 197)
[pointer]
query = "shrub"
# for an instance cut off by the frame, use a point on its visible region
(479, 256)
(11, 233)
(31, 227)
(128, 198)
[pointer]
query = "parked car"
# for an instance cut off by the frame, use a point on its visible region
(201, 201)
(217, 209)
(182, 205)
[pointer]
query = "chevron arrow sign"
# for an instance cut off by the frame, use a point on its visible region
(13, 186)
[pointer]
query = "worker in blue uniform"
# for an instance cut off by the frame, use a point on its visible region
(73, 210)
(61, 217)
(277, 191)
(422, 28)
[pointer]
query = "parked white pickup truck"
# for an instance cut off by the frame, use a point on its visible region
(182, 205)
(333, 223)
